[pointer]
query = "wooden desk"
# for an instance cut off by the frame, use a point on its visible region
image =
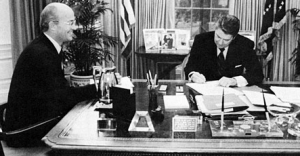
(77, 132)
(165, 63)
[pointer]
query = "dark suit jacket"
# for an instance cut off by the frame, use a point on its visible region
(240, 56)
(38, 89)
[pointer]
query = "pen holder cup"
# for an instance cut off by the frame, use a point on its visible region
(152, 91)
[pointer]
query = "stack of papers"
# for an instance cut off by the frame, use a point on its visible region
(176, 102)
(256, 98)
(287, 94)
(212, 88)
(232, 104)
(273, 102)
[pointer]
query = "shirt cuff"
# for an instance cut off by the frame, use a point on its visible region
(191, 73)
(241, 81)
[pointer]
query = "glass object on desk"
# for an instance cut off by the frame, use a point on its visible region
(289, 123)
(107, 80)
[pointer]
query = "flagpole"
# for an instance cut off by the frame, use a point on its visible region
(274, 10)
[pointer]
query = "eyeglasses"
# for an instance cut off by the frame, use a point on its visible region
(71, 22)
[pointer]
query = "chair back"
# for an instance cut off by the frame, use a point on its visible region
(19, 137)
(249, 34)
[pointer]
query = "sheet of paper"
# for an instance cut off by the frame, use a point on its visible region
(256, 98)
(212, 88)
(176, 102)
(287, 94)
(202, 108)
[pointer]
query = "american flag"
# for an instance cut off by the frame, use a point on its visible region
(273, 19)
(127, 20)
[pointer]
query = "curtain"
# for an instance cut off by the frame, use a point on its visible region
(251, 19)
(25, 23)
(149, 14)
(282, 69)
(111, 27)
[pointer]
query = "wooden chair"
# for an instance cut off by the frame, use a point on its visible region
(19, 133)
(184, 62)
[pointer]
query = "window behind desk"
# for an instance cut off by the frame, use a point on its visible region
(199, 15)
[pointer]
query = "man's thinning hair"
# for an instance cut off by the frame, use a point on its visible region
(48, 14)
(229, 24)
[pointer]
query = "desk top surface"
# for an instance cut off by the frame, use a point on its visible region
(78, 130)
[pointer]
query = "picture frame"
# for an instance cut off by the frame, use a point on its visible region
(167, 40)
(152, 40)
(182, 39)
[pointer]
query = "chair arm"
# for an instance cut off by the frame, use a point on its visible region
(33, 127)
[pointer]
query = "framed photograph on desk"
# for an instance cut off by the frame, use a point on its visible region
(152, 39)
(182, 39)
(168, 41)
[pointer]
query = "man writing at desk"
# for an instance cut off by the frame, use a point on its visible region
(39, 90)
(224, 55)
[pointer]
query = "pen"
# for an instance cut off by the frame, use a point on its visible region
(149, 83)
(266, 111)
(150, 76)
(222, 111)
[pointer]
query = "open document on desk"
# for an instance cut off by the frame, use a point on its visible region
(176, 102)
(273, 102)
(212, 88)
(234, 97)
(287, 94)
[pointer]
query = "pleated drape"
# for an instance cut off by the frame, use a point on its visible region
(282, 69)
(250, 13)
(24, 18)
(111, 27)
(150, 14)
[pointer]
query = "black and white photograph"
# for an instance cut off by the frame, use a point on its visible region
(149, 77)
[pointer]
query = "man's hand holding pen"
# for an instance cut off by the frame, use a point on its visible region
(227, 82)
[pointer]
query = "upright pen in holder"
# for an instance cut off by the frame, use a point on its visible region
(153, 91)
(222, 111)
(266, 111)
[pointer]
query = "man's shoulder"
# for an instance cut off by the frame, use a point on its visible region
(37, 45)
(243, 39)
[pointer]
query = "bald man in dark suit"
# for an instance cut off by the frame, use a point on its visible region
(224, 55)
(39, 90)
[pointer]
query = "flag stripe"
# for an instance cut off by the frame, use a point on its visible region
(126, 20)
(131, 18)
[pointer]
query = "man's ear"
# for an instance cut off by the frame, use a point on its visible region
(52, 25)
(234, 37)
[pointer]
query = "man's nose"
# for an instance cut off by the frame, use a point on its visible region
(74, 27)
(220, 41)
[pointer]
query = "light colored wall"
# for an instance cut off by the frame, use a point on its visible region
(6, 67)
